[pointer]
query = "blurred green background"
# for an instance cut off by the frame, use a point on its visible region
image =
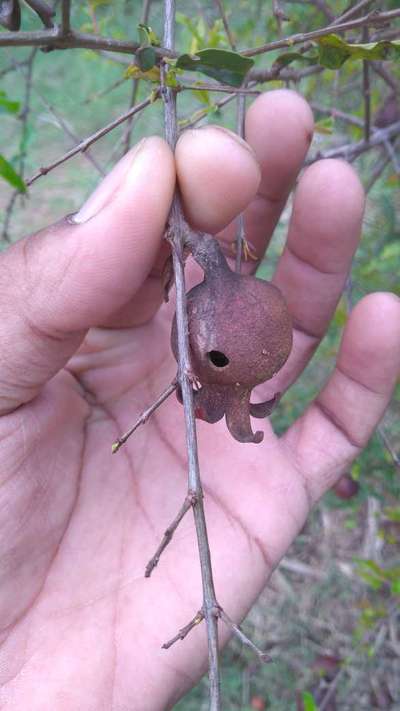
(330, 615)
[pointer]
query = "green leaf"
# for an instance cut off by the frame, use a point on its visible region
(8, 173)
(221, 64)
(334, 51)
(8, 106)
(145, 58)
(309, 702)
(395, 587)
(147, 36)
(325, 126)
(288, 57)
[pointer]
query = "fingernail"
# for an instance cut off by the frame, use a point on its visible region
(108, 188)
(230, 134)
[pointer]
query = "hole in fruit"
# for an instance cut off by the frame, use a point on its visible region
(218, 359)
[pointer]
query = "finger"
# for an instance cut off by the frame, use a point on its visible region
(279, 127)
(338, 424)
(76, 274)
(323, 235)
(218, 176)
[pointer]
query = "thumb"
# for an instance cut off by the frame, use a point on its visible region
(78, 272)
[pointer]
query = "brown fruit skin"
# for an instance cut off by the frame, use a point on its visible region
(240, 334)
(346, 488)
(242, 317)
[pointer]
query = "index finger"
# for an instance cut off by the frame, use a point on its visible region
(279, 127)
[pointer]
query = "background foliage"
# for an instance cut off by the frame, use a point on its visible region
(330, 615)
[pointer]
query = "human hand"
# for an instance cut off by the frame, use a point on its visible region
(81, 628)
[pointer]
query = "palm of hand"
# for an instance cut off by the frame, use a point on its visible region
(81, 626)
(88, 601)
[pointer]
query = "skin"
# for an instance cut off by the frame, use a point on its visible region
(80, 626)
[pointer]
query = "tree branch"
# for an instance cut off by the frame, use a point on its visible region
(177, 232)
(55, 39)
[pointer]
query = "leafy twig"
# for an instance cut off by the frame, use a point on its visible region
(24, 116)
(370, 20)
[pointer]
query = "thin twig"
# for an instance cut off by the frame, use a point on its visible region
(387, 77)
(177, 238)
(225, 88)
(12, 66)
(84, 145)
(104, 92)
(126, 138)
(370, 20)
(240, 231)
(353, 11)
(189, 501)
(240, 113)
(144, 416)
(337, 114)
(366, 91)
(231, 39)
(377, 172)
(24, 116)
(352, 150)
(184, 631)
(42, 9)
(65, 16)
(389, 447)
(263, 656)
(279, 15)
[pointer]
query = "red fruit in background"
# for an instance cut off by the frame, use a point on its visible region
(326, 665)
(346, 487)
(258, 703)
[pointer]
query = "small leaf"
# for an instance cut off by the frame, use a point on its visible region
(334, 51)
(395, 587)
(147, 36)
(133, 72)
(309, 702)
(6, 105)
(8, 173)
(145, 58)
(325, 126)
(221, 64)
(288, 57)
